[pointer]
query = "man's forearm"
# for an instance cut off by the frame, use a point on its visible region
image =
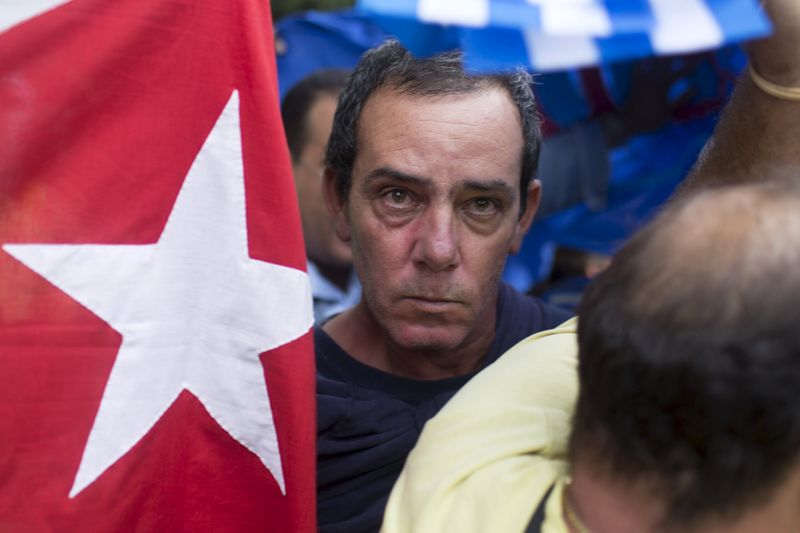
(758, 136)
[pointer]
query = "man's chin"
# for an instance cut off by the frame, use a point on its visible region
(428, 339)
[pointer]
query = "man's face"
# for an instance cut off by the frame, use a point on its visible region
(433, 211)
(322, 244)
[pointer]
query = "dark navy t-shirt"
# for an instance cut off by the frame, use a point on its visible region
(369, 420)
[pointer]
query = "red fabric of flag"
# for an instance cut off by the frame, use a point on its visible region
(151, 275)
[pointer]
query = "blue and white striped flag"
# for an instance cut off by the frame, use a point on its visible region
(550, 35)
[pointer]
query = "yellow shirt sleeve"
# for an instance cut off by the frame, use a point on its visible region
(486, 460)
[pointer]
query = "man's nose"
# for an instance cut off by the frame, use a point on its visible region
(436, 245)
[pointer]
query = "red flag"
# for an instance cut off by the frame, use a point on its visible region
(156, 367)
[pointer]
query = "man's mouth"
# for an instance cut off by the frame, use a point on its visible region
(432, 304)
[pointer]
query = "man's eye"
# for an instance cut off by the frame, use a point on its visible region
(397, 198)
(483, 206)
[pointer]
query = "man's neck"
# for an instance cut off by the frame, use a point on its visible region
(359, 334)
(603, 505)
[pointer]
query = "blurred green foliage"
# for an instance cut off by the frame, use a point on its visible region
(281, 8)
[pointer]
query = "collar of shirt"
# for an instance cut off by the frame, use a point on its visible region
(328, 298)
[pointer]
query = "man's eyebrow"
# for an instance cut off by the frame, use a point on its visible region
(491, 186)
(495, 186)
(388, 172)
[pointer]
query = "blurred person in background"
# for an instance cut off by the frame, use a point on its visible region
(307, 111)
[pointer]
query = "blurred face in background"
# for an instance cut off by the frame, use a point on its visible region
(322, 245)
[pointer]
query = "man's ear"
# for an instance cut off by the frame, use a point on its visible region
(337, 206)
(524, 223)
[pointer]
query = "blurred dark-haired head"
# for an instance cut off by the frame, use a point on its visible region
(307, 111)
(690, 356)
(298, 102)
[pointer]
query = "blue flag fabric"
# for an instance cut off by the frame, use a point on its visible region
(548, 35)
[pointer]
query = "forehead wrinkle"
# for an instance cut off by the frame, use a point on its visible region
(457, 135)
(466, 130)
(464, 124)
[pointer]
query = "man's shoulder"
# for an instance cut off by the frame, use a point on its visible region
(516, 304)
(520, 316)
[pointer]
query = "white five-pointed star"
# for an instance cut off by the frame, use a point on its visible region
(194, 311)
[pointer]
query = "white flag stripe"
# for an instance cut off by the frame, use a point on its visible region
(471, 13)
(551, 52)
(590, 18)
(683, 26)
(13, 12)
